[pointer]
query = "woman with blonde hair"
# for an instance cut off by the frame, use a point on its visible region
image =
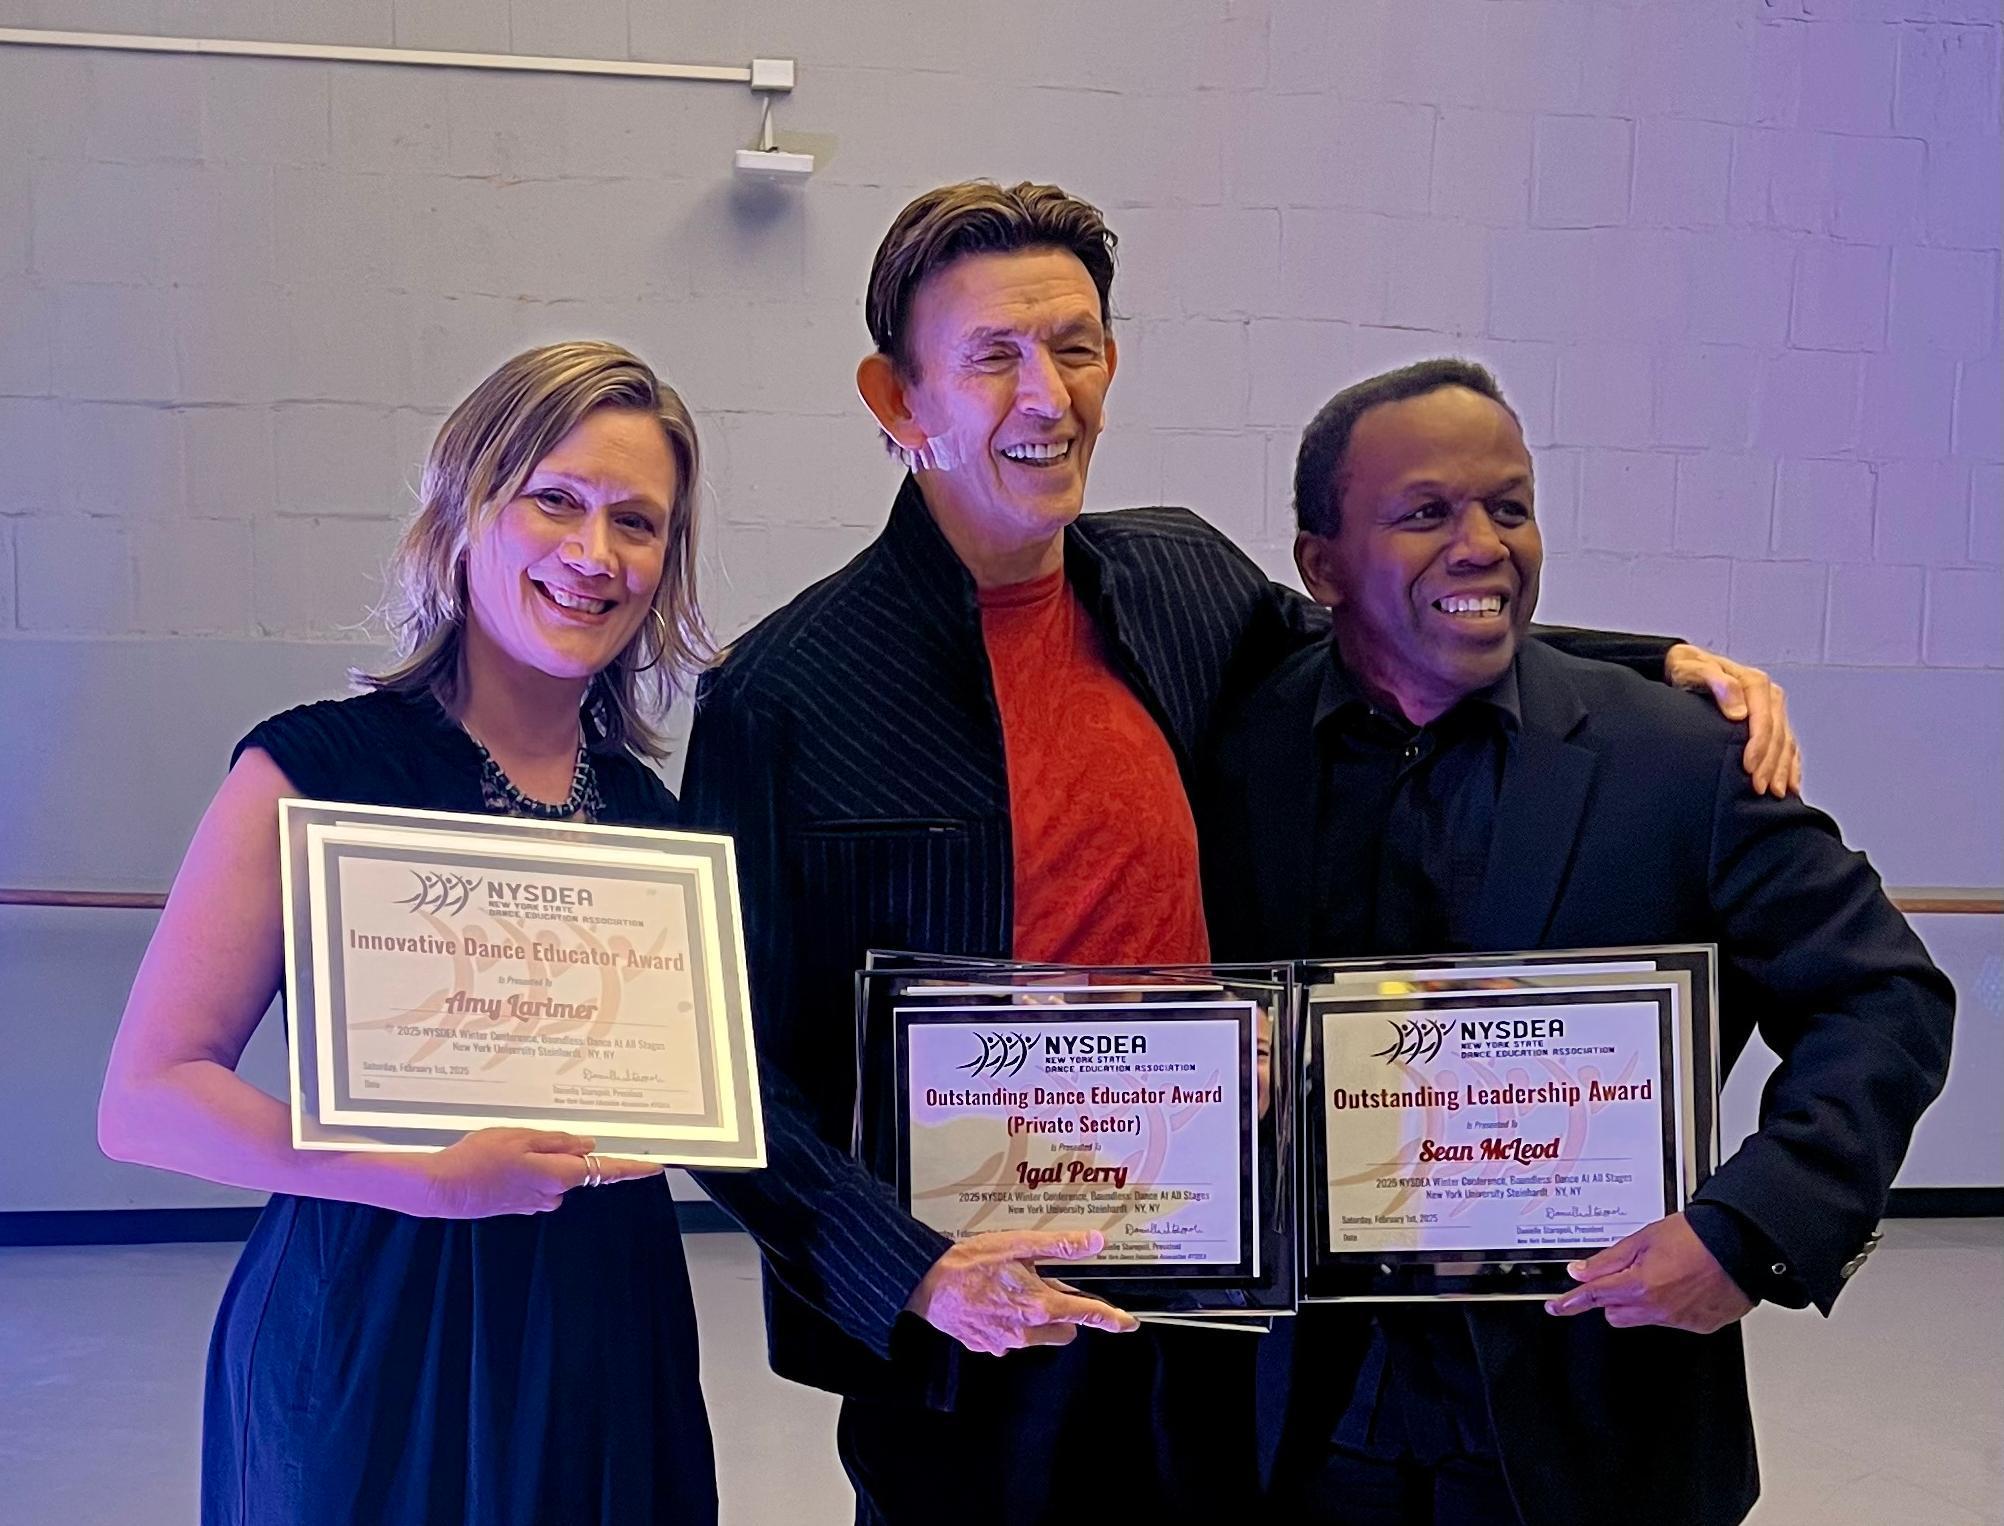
(460, 1336)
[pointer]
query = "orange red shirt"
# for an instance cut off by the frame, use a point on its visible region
(1105, 842)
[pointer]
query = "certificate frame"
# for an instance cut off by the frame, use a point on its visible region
(1248, 1295)
(1678, 980)
(1700, 961)
(696, 1105)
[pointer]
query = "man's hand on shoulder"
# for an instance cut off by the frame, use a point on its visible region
(1660, 1275)
(1747, 694)
(985, 1292)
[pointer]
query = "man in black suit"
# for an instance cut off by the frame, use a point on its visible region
(1426, 780)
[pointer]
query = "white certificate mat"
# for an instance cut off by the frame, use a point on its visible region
(1538, 1127)
(1133, 1119)
(449, 973)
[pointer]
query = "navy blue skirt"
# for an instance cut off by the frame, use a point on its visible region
(372, 1367)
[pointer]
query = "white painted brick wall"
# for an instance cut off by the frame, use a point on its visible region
(73, 575)
(1627, 500)
(118, 461)
(1581, 170)
(1725, 505)
(1779, 610)
(1916, 518)
(1965, 618)
(453, 26)
(7, 580)
(1986, 514)
(1604, 396)
(1705, 397)
(1736, 260)
(1875, 615)
(192, 577)
(1809, 401)
(1683, 172)
(1979, 410)
(1823, 511)
(35, 472)
(1909, 405)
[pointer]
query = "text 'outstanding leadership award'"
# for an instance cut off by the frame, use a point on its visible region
(447, 973)
(1137, 1103)
(1475, 1122)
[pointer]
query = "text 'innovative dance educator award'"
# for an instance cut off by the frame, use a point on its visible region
(448, 973)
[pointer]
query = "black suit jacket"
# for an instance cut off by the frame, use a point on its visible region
(1625, 818)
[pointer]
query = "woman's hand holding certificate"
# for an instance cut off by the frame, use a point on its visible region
(497, 1171)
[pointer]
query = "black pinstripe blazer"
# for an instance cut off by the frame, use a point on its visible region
(852, 746)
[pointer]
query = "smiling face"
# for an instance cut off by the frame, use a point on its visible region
(1010, 363)
(1432, 571)
(561, 577)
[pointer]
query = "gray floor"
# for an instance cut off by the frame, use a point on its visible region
(1892, 1411)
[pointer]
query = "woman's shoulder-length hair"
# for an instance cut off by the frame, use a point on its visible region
(484, 452)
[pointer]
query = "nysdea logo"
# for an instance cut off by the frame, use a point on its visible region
(1002, 1054)
(1413, 1043)
(445, 894)
(440, 893)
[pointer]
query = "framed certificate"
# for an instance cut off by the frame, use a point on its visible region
(1479, 1122)
(1697, 960)
(1138, 1103)
(1134, 1121)
(447, 973)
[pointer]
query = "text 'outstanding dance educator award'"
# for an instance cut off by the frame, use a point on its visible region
(450, 973)
(1473, 1129)
(1135, 1119)
(1132, 1121)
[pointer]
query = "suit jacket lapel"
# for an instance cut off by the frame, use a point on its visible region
(1546, 780)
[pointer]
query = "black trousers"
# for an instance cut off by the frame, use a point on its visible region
(1157, 1425)
(1357, 1490)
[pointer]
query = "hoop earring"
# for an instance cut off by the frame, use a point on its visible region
(660, 642)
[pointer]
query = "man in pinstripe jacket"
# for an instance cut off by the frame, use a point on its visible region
(974, 739)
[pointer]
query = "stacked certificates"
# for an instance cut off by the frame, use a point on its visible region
(1142, 1104)
(1251, 1137)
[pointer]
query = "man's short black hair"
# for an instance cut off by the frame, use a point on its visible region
(1325, 444)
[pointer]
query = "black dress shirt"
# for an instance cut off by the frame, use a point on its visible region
(1402, 839)
(1403, 834)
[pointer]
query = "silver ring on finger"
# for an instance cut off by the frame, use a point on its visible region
(594, 1172)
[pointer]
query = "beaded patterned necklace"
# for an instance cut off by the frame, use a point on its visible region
(500, 793)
